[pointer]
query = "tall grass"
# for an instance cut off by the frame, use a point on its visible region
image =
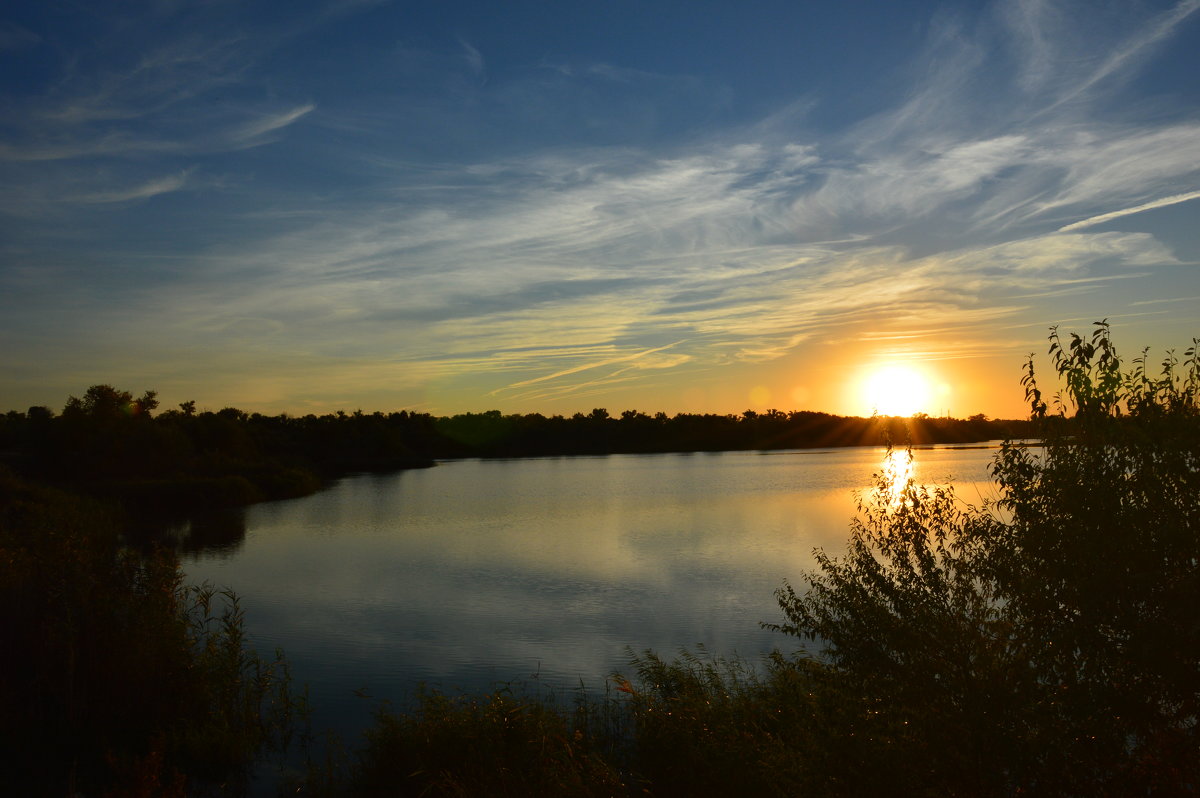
(115, 677)
(694, 725)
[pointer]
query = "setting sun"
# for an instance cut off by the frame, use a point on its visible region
(897, 391)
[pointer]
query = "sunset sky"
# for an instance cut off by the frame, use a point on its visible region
(554, 206)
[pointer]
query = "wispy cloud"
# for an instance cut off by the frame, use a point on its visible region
(272, 122)
(1168, 300)
(13, 37)
(1146, 206)
(579, 262)
(473, 57)
(585, 367)
(151, 188)
(1133, 47)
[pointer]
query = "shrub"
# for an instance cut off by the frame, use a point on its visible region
(502, 744)
(1046, 643)
(113, 675)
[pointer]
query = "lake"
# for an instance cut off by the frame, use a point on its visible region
(544, 571)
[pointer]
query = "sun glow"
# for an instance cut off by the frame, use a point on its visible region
(896, 390)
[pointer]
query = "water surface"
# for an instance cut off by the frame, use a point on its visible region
(480, 571)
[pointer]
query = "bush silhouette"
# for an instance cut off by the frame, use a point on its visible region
(1046, 643)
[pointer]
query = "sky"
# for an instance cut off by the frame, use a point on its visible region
(553, 206)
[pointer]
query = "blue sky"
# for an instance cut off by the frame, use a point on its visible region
(555, 206)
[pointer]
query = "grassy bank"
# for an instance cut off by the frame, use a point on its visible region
(118, 679)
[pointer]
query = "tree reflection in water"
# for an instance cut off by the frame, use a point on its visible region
(220, 532)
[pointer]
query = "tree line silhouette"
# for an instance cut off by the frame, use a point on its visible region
(115, 444)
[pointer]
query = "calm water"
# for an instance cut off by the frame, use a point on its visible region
(475, 572)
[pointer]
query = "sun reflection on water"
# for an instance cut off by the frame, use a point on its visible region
(898, 469)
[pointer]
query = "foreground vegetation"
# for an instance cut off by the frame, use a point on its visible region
(1044, 644)
(115, 678)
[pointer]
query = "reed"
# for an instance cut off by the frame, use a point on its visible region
(695, 725)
